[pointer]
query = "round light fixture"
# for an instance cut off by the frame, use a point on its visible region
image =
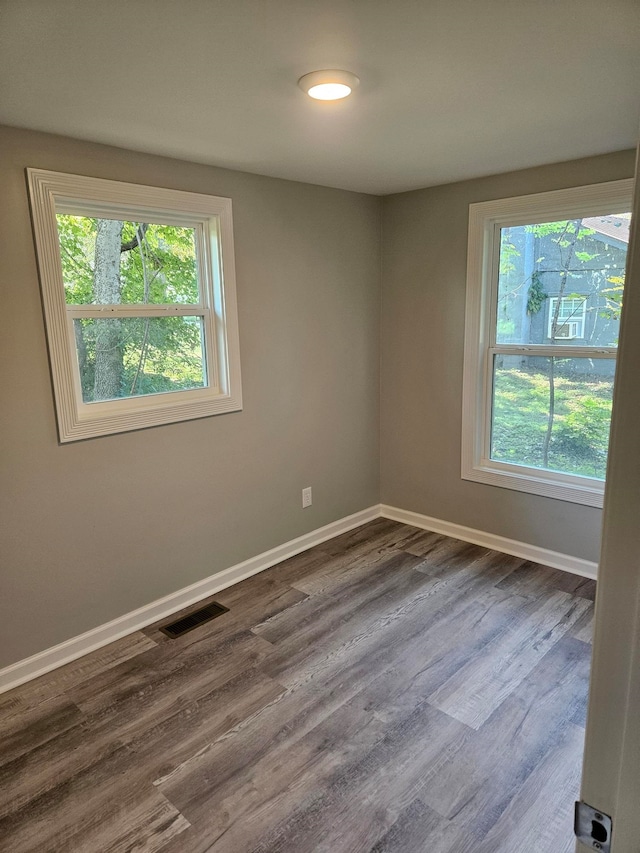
(328, 85)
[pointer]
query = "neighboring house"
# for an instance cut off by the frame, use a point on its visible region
(589, 310)
(564, 287)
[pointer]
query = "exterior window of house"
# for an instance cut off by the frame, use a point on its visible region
(545, 290)
(566, 321)
(139, 302)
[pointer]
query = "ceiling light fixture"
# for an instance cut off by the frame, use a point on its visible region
(328, 85)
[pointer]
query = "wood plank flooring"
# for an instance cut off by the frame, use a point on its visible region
(389, 691)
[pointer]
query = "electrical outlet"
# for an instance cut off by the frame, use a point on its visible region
(306, 497)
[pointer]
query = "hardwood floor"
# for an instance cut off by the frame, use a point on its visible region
(389, 691)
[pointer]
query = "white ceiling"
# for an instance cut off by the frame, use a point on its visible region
(450, 89)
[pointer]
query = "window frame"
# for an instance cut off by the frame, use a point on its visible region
(579, 319)
(486, 219)
(211, 218)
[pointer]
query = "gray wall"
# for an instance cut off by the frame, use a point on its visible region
(94, 529)
(423, 303)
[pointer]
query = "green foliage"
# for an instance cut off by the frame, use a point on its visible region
(536, 294)
(508, 254)
(158, 354)
(565, 232)
(585, 257)
(557, 259)
(160, 271)
(157, 266)
(584, 431)
(505, 326)
(77, 246)
(613, 295)
(581, 424)
(168, 252)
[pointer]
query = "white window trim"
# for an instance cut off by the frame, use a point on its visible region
(211, 218)
(485, 221)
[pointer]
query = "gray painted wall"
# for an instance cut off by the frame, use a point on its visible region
(423, 303)
(94, 529)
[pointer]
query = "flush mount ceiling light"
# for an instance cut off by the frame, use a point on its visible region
(328, 85)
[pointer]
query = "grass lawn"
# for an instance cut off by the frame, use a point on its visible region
(580, 436)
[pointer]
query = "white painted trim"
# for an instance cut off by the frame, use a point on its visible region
(565, 562)
(212, 220)
(56, 656)
(485, 221)
(76, 647)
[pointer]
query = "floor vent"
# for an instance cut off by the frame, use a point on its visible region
(194, 620)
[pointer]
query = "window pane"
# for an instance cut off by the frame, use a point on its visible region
(132, 356)
(560, 283)
(108, 261)
(552, 413)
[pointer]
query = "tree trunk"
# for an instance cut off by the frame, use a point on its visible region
(554, 331)
(83, 364)
(552, 409)
(106, 278)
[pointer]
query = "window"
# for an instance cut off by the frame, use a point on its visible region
(138, 289)
(566, 321)
(544, 293)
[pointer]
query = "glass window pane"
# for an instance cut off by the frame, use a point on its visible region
(560, 283)
(108, 261)
(552, 413)
(133, 356)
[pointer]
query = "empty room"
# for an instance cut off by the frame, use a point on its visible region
(319, 459)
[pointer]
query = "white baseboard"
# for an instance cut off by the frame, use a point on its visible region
(575, 565)
(71, 649)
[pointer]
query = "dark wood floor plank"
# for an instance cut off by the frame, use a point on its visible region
(238, 809)
(476, 784)
(366, 538)
(341, 751)
(65, 677)
(309, 703)
(361, 799)
(411, 607)
(149, 825)
(259, 598)
(254, 600)
(301, 565)
(320, 653)
(19, 734)
(533, 579)
(118, 775)
(388, 690)
(540, 815)
(320, 615)
(419, 829)
(112, 719)
(346, 571)
(286, 719)
(471, 565)
(194, 660)
(485, 681)
(141, 821)
(325, 569)
(442, 551)
(583, 629)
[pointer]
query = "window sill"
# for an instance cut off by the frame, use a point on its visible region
(106, 418)
(580, 490)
